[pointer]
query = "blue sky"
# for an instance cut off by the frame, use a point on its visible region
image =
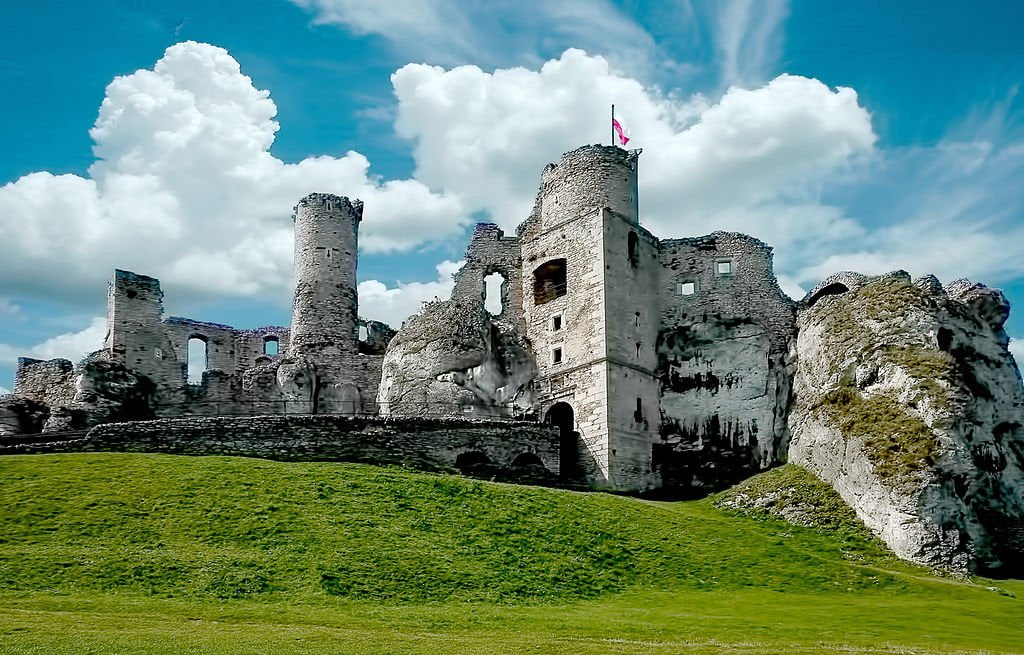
(850, 135)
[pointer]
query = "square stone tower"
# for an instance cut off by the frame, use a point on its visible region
(589, 303)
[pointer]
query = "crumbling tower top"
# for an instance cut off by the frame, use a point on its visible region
(588, 178)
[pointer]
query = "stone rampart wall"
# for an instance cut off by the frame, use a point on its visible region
(426, 443)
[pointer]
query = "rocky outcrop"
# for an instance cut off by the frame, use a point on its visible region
(909, 404)
(105, 391)
(454, 357)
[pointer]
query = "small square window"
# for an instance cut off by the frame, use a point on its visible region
(556, 356)
(556, 323)
(723, 268)
(687, 288)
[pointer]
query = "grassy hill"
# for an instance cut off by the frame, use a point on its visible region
(111, 553)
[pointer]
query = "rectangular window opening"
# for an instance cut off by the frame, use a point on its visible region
(556, 323)
(687, 288)
(723, 268)
(556, 356)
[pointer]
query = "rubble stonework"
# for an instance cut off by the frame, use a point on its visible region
(723, 364)
(656, 363)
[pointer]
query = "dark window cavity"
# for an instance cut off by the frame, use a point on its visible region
(549, 281)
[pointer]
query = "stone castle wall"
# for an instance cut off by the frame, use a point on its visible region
(722, 367)
(503, 448)
(245, 371)
(490, 251)
(632, 272)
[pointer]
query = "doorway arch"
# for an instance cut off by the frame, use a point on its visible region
(562, 416)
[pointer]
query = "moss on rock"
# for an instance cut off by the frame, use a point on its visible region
(897, 444)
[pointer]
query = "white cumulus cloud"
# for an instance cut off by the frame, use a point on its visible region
(185, 188)
(752, 161)
(1017, 350)
(393, 305)
(71, 345)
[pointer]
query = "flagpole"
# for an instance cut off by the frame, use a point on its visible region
(613, 124)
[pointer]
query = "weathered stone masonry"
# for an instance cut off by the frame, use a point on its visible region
(523, 450)
(651, 382)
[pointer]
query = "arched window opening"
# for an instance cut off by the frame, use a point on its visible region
(198, 359)
(834, 289)
(633, 243)
(495, 288)
(549, 281)
(271, 345)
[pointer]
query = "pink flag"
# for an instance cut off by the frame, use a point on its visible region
(621, 130)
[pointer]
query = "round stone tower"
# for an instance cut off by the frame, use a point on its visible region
(590, 178)
(325, 310)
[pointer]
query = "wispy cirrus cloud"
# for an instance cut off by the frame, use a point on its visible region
(955, 209)
(1017, 350)
(498, 33)
(749, 39)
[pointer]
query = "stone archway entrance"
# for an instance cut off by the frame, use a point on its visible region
(561, 415)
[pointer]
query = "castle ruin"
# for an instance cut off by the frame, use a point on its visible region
(657, 363)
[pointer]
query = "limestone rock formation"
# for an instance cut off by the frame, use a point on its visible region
(909, 404)
(454, 357)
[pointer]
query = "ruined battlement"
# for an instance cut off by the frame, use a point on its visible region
(586, 178)
(331, 203)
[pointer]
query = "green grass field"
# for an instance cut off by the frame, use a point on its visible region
(118, 553)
